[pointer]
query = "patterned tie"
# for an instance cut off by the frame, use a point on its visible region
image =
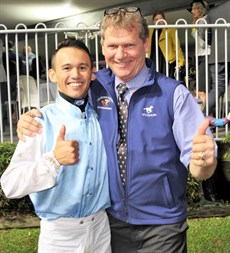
(122, 116)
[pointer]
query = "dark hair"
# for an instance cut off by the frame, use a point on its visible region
(158, 13)
(10, 44)
(73, 43)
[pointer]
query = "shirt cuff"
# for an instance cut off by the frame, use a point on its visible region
(50, 158)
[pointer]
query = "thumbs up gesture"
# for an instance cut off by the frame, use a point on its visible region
(66, 151)
(203, 161)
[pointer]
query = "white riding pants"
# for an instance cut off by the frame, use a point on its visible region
(75, 235)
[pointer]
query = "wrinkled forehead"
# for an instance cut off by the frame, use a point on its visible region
(119, 25)
(116, 21)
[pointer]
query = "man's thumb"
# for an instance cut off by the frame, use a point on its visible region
(203, 127)
(61, 136)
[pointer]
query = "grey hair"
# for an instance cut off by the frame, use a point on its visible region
(202, 7)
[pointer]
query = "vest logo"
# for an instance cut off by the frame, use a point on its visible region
(148, 112)
(104, 103)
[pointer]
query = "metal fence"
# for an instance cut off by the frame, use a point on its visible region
(44, 40)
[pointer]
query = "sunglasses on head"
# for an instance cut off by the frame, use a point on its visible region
(113, 11)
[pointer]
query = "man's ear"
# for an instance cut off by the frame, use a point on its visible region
(52, 76)
(102, 49)
(147, 45)
(93, 77)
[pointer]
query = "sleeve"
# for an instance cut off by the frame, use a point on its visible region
(180, 52)
(180, 55)
(200, 41)
(150, 42)
(193, 32)
(187, 118)
(201, 34)
(30, 170)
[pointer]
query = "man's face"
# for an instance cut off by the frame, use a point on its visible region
(124, 52)
(72, 72)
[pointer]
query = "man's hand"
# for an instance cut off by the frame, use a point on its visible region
(203, 161)
(66, 151)
(28, 125)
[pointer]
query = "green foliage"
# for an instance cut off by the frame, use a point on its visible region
(6, 152)
(226, 140)
(22, 205)
(192, 192)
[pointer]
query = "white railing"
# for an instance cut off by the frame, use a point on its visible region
(44, 41)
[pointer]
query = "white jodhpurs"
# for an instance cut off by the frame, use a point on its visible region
(75, 235)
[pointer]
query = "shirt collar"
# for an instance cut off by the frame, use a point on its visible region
(81, 103)
(137, 82)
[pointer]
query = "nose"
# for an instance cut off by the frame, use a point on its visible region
(121, 53)
(75, 72)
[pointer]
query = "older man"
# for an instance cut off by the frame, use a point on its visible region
(150, 152)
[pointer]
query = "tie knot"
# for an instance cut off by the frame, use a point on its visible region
(122, 88)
